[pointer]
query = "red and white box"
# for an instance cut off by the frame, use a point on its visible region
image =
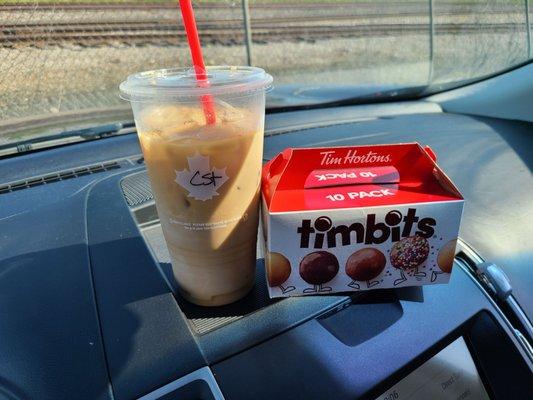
(357, 218)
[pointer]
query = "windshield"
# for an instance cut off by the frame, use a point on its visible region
(61, 61)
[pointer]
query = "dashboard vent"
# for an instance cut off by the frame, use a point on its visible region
(58, 176)
(136, 189)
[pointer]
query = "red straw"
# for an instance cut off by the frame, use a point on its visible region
(197, 58)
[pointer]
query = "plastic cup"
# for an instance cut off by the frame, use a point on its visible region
(205, 177)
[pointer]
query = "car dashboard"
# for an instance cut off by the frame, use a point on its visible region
(90, 309)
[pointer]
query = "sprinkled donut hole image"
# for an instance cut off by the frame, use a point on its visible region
(409, 252)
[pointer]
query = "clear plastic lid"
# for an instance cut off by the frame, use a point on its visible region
(181, 83)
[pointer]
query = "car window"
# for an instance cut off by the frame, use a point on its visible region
(62, 60)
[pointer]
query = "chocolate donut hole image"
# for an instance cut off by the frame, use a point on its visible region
(409, 252)
(319, 267)
(365, 264)
(278, 269)
(446, 256)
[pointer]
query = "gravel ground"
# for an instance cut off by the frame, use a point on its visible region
(89, 76)
(39, 81)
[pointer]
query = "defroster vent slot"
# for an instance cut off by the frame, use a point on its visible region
(58, 176)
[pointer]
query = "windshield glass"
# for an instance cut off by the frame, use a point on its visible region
(61, 60)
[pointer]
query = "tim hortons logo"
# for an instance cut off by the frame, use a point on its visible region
(332, 157)
(321, 232)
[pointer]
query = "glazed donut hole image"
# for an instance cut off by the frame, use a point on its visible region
(278, 268)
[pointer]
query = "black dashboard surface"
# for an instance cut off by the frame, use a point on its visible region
(85, 314)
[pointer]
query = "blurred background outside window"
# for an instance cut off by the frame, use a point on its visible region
(68, 57)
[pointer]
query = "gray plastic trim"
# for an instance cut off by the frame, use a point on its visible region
(204, 374)
(523, 345)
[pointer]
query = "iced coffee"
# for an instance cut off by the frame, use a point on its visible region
(205, 179)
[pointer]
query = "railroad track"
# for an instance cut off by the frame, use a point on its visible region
(236, 4)
(236, 23)
(222, 31)
(86, 34)
(364, 10)
(165, 6)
